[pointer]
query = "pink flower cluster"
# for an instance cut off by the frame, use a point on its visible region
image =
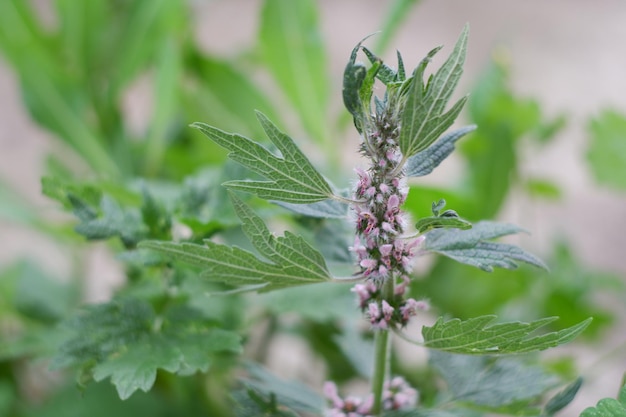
(397, 395)
(387, 313)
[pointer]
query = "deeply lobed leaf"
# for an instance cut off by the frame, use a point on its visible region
(291, 179)
(423, 118)
(293, 260)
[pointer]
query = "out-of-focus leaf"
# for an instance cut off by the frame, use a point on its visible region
(608, 407)
(492, 384)
(607, 151)
(166, 107)
(327, 209)
(289, 393)
(503, 119)
(128, 342)
(307, 301)
(292, 48)
(563, 398)
(543, 188)
(222, 96)
(398, 11)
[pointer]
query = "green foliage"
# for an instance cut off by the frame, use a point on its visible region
(479, 336)
(608, 407)
(502, 385)
(563, 398)
(292, 178)
(128, 341)
(423, 119)
(160, 324)
(292, 47)
(294, 261)
(290, 394)
(447, 219)
(424, 162)
(607, 149)
(472, 247)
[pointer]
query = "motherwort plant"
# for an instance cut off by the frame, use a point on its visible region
(404, 133)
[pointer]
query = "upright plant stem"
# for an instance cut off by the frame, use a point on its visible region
(381, 356)
(380, 369)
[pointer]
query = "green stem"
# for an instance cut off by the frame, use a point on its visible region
(381, 356)
(380, 370)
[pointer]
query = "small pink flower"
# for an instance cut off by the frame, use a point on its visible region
(393, 203)
(385, 250)
(382, 271)
(387, 227)
(331, 393)
(374, 311)
(387, 311)
(384, 188)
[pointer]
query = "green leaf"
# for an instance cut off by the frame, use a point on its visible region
(293, 260)
(608, 407)
(607, 150)
(128, 342)
(292, 178)
(111, 220)
(292, 48)
(424, 162)
(563, 398)
(472, 248)
(222, 94)
(478, 336)
(166, 104)
(423, 118)
(492, 384)
(288, 393)
(327, 209)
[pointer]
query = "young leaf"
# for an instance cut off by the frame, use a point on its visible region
(478, 336)
(424, 162)
(608, 407)
(423, 119)
(293, 260)
(491, 385)
(292, 178)
(128, 342)
(428, 223)
(472, 248)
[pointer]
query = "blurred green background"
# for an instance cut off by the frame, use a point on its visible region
(98, 95)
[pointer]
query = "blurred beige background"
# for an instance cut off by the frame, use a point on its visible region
(568, 54)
